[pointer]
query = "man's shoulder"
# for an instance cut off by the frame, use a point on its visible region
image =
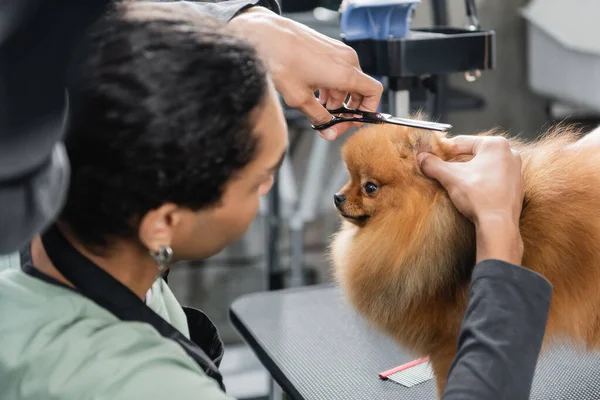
(111, 364)
(67, 346)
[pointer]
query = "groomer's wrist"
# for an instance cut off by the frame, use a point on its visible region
(257, 26)
(498, 237)
(248, 25)
(242, 18)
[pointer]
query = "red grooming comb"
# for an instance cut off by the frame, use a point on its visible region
(411, 373)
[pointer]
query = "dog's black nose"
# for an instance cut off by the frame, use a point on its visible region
(338, 199)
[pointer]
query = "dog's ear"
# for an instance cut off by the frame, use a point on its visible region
(425, 141)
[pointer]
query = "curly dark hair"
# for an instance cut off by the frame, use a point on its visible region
(162, 110)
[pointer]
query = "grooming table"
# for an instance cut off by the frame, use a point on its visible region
(316, 347)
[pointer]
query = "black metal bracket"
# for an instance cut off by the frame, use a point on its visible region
(424, 52)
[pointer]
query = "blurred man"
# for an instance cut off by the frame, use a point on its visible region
(36, 38)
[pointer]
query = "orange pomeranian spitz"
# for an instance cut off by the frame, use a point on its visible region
(404, 254)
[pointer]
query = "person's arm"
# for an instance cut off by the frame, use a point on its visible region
(505, 321)
(501, 334)
(503, 327)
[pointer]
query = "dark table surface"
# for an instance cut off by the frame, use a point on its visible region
(316, 347)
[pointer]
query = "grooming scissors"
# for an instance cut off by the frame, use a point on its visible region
(377, 118)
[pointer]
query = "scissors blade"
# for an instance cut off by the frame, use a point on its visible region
(415, 123)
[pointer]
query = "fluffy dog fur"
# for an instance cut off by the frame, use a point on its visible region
(404, 254)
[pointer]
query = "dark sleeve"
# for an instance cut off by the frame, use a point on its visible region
(226, 10)
(501, 334)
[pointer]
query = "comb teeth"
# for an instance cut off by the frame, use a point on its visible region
(413, 376)
(411, 373)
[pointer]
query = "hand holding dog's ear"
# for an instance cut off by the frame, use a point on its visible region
(490, 184)
(488, 190)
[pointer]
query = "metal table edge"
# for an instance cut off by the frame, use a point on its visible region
(250, 338)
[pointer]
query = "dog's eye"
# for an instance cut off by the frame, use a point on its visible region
(370, 188)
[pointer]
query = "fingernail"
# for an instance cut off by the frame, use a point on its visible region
(421, 157)
(329, 134)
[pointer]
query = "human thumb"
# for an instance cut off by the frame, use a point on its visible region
(434, 167)
(318, 115)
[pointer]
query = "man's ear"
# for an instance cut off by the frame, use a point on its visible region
(156, 228)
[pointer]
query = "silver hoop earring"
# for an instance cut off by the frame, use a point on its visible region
(163, 257)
